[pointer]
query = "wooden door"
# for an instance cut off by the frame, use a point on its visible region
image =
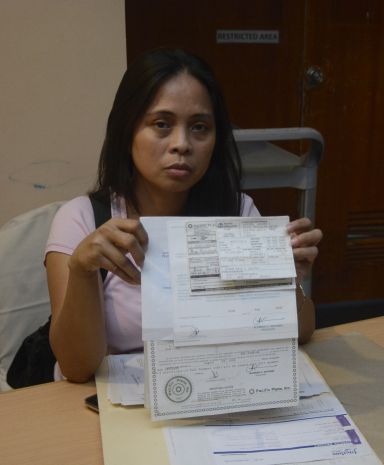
(265, 86)
(345, 39)
(261, 82)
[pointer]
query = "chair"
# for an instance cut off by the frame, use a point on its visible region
(24, 300)
(265, 165)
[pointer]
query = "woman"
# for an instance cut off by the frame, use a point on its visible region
(168, 150)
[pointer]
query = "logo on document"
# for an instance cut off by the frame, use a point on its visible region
(178, 389)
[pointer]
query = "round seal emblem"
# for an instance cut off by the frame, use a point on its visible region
(178, 389)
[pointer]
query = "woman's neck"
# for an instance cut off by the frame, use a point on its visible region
(164, 204)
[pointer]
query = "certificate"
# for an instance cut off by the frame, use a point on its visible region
(211, 380)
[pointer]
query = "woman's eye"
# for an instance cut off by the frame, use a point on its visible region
(199, 127)
(161, 125)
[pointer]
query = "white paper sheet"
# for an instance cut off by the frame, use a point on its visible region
(311, 382)
(211, 380)
(293, 441)
(317, 431)
(202, 357)
(238, 254)
(255, 248)
(254, 315)
(126, 379)
(226, 317)
(156, 293)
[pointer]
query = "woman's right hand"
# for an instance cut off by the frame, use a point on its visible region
(107, 248)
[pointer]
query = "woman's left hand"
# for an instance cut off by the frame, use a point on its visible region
(304, 240)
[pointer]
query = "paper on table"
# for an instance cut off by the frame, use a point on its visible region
(226, 317)
(329, 436)
(294, 441)
(126, 379)
(325, 404)
(117, 424)
(211, 380)
(311, 382)
(316, 399)
(126, 387)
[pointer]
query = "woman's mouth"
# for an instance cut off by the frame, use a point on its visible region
(179, 170)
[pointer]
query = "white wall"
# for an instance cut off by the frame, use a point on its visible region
(61, 62)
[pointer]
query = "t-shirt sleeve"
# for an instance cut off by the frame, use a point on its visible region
(248, 207)
(71, 224)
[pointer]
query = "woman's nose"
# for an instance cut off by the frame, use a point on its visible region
(180, 142)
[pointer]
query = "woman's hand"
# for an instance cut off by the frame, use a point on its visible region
(304, 240)
(107, 248)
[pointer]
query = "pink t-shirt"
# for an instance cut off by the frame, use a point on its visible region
(72, 223)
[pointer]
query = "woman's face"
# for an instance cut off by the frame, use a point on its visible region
(173, 142)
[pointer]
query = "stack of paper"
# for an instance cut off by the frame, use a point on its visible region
(126, 379)
(319, 431)
(219, 316)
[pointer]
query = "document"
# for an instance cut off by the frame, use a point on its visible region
(217, 379)
(170, 313)
(227, 345)
(316, 399)
(317, 431)
(311, 382)
(302, 441)
(255, 248)
(206, 309)
(126, 387)
(238, 254)
(126, 379)
(308, 407)
(156, 291)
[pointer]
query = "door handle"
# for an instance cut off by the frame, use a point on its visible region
(314, 76)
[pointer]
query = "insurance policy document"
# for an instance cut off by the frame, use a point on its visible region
(280, 442)
(126, 387)
(185, 299)
(216, 379)
(193, 370)
(317, 431)
(232, 280)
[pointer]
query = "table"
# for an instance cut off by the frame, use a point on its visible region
(372, 328)
(48, 424)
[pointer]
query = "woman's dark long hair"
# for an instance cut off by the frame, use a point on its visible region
(218, 192)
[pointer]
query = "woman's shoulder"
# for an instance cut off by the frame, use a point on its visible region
(78, 203)
(73, 222)
(76, 209)
(248, 207)
(73, 219)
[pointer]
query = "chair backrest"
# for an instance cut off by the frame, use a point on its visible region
(266, 165)
(24, 300)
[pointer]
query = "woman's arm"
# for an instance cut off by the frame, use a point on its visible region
(77, 333)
